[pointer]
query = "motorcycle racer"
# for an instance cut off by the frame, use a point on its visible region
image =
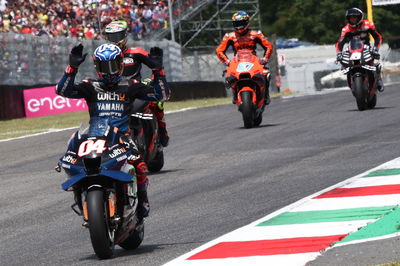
(244, 38)
(134, 57)
(358, 27)
(109, 98)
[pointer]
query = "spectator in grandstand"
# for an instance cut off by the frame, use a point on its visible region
(79, 18)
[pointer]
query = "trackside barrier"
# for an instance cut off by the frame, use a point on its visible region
(41, 100)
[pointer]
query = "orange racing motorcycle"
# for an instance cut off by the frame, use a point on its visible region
(248, 79)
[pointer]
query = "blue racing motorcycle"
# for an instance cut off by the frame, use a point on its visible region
(102, 192)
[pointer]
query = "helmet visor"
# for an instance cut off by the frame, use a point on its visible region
(116, 37)
(108, 67)
(240, 24)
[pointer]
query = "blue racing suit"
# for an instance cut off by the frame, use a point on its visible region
(113, 103)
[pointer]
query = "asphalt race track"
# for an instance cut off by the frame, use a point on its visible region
(218, 176)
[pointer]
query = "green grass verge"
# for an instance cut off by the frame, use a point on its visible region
(26, 126)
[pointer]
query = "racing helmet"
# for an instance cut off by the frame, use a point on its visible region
(354, 12)
(240, 22)
(108, 61)
(116, 32)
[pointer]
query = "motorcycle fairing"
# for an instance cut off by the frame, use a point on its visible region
(116, 175)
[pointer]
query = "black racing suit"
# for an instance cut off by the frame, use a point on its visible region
(134, 57)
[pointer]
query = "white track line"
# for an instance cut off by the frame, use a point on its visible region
(63, 129)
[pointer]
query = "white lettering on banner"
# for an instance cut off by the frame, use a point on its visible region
(385, 2)
(57, 102)
(33, 105)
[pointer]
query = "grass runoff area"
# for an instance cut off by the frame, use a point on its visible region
(27, 126)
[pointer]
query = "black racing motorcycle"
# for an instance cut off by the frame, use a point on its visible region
(101, 189)
(361, 73)
(144, 128)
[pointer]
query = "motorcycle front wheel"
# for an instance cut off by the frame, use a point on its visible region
(247, 109)
(359, 93)
(101, 235)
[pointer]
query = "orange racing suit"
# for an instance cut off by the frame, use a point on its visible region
(245, 41)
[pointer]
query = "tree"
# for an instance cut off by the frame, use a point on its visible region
(320, 21)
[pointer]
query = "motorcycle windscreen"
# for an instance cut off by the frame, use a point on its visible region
(98, 127)
(356, 45)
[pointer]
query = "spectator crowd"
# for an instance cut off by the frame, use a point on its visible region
(82, 18)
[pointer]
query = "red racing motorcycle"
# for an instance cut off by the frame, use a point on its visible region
(361, 73)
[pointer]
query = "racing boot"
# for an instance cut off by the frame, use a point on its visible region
(229, 87)
(143, 201)
(164, 138)
(267, 99)
(142, 181)
(379, 82)
(129, 207)
(162, 130)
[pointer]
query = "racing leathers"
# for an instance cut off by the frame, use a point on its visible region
(112, 102)
(362, 31)
(248, 40)
(133, 59)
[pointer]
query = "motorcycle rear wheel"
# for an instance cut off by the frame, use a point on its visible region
(135, 239)
(157, 163)
(359, 93)
(247, 109)
(372, 102)
(101, 235)
(258, 120)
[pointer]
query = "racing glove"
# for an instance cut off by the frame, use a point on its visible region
(264, 61)
(339, 56)
(375, 53)
(76, 57)
(156, 55)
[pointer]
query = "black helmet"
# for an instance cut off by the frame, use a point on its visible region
(240, 21)
(116, 32)
(354, 12)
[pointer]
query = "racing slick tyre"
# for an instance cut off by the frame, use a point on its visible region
(359, 93)
(101, 235)
(372, 102)
(258, 120)
(247, 109)
(135, 239)
(157, 163)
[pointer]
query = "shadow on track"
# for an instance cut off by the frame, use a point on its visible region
(376, 108)
(164, 171)
(144, 249)
(262, 125)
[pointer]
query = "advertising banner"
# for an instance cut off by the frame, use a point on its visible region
(44, 101)
(385, 2)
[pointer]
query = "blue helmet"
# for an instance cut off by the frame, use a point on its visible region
(108, 61)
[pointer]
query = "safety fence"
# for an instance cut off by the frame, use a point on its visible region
(30, 60)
